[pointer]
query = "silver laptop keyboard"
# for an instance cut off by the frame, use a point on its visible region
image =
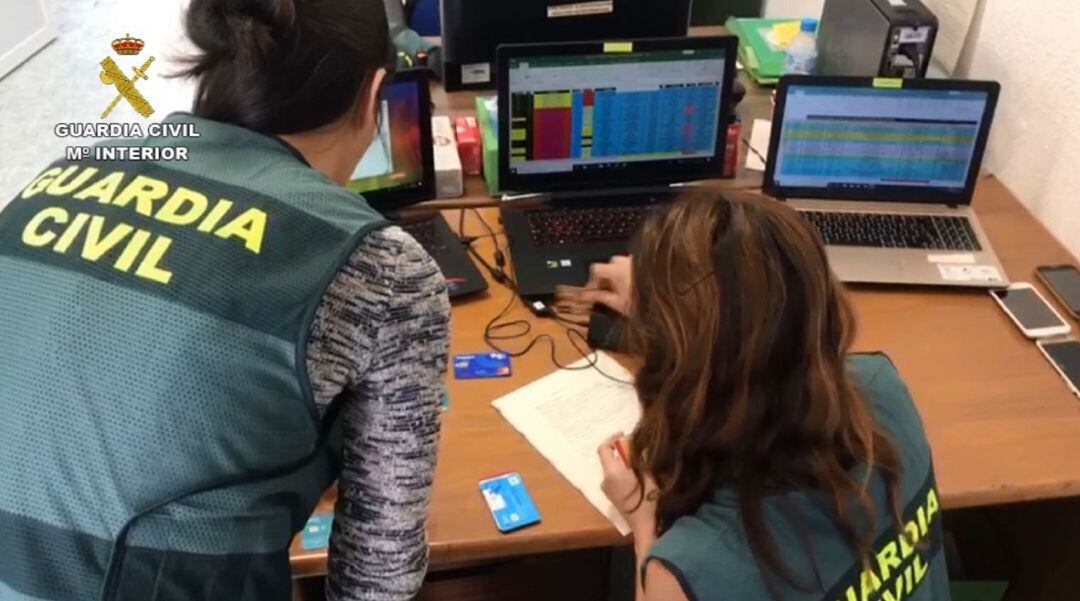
(887, 230)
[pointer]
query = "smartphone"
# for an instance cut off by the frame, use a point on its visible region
(1064, 282)
(1030, 311)
(1064, 355)
(509, 501)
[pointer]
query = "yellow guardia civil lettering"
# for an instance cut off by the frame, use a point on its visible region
(250, 227)
(896, 569)
(62, 185)
(91, 237)
(154, 198)
(144, 191)
(33, 235)
(56, 227)
(184, 207)
(40, 183)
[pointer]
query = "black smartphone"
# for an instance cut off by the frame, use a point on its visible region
(1064, 355)
(1064, 282)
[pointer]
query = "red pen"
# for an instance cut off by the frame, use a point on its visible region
(620, 446)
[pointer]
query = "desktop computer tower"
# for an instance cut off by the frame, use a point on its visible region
(876, 38)
(473, 29)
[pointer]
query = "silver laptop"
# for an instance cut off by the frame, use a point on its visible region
(885, 169)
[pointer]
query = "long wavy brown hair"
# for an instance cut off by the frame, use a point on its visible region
(744, 332)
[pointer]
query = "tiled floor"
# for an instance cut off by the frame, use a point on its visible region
(60, 84)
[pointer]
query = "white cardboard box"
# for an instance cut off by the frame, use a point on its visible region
(448, 182)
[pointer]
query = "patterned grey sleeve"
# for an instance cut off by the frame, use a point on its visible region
(380, 338)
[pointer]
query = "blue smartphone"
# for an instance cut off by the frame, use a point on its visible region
(509, 502)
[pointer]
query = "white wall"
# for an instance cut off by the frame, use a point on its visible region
(60, 84)
(25, 27)
(1032, 48)
(782, 9)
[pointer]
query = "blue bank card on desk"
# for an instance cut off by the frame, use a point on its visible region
(481, 365)
(509, 502)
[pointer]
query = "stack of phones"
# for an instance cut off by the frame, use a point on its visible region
(1040, 322)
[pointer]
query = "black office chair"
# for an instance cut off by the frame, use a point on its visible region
(413, 51)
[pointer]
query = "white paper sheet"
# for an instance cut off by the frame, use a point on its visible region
(759, 141)
(568, 414)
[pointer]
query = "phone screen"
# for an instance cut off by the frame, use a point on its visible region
(1066, 355)
(1028, 308)
(1066, 284)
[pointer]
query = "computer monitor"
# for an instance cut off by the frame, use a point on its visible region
(879, 139)
(399, 168)
(585, 115)
(472, 30)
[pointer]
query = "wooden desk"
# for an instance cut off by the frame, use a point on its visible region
(1003, 426)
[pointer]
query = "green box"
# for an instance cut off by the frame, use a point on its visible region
(489, 140)
(763, 61)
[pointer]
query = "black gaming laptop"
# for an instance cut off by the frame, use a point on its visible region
(596, 134)
(399, 170)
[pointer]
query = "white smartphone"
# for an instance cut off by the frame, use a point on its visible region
(1064, 355)
(1030, 311)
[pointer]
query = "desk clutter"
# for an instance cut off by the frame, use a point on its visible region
(582, 141)
(528, 148)
(553, 415)
(559, 279)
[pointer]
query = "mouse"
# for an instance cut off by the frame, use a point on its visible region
(607, 329)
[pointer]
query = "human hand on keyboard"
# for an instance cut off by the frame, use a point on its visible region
(609, 284)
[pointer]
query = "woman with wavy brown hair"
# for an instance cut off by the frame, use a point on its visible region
(770, 462)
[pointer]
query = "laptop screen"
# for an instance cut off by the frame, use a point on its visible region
(866, 140)
(601, 114)
(393, 168)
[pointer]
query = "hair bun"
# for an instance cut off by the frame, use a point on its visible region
(277, 15)
(284, 66)
(243, 29)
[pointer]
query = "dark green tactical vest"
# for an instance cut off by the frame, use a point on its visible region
(158, 439)
(708, 553)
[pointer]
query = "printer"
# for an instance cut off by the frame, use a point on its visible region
(876, 38)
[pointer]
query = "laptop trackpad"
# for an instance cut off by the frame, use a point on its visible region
(865, 265)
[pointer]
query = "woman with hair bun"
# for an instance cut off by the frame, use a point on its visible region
(193, 351)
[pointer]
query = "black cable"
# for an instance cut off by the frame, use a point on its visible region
(751, 148)
(496, 272)
(500, 257)
(493, 330)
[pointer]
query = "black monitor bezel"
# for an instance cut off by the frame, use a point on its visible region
(913, 194)
(388, 200)
(637, 173)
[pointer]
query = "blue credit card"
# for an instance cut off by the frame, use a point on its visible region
(509, 502)
(316, 534)
(481, 365)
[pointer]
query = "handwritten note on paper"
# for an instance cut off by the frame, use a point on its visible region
(568, 414)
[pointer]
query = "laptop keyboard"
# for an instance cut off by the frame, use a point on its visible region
(564, 227)
(886, 230)
(424, 233)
